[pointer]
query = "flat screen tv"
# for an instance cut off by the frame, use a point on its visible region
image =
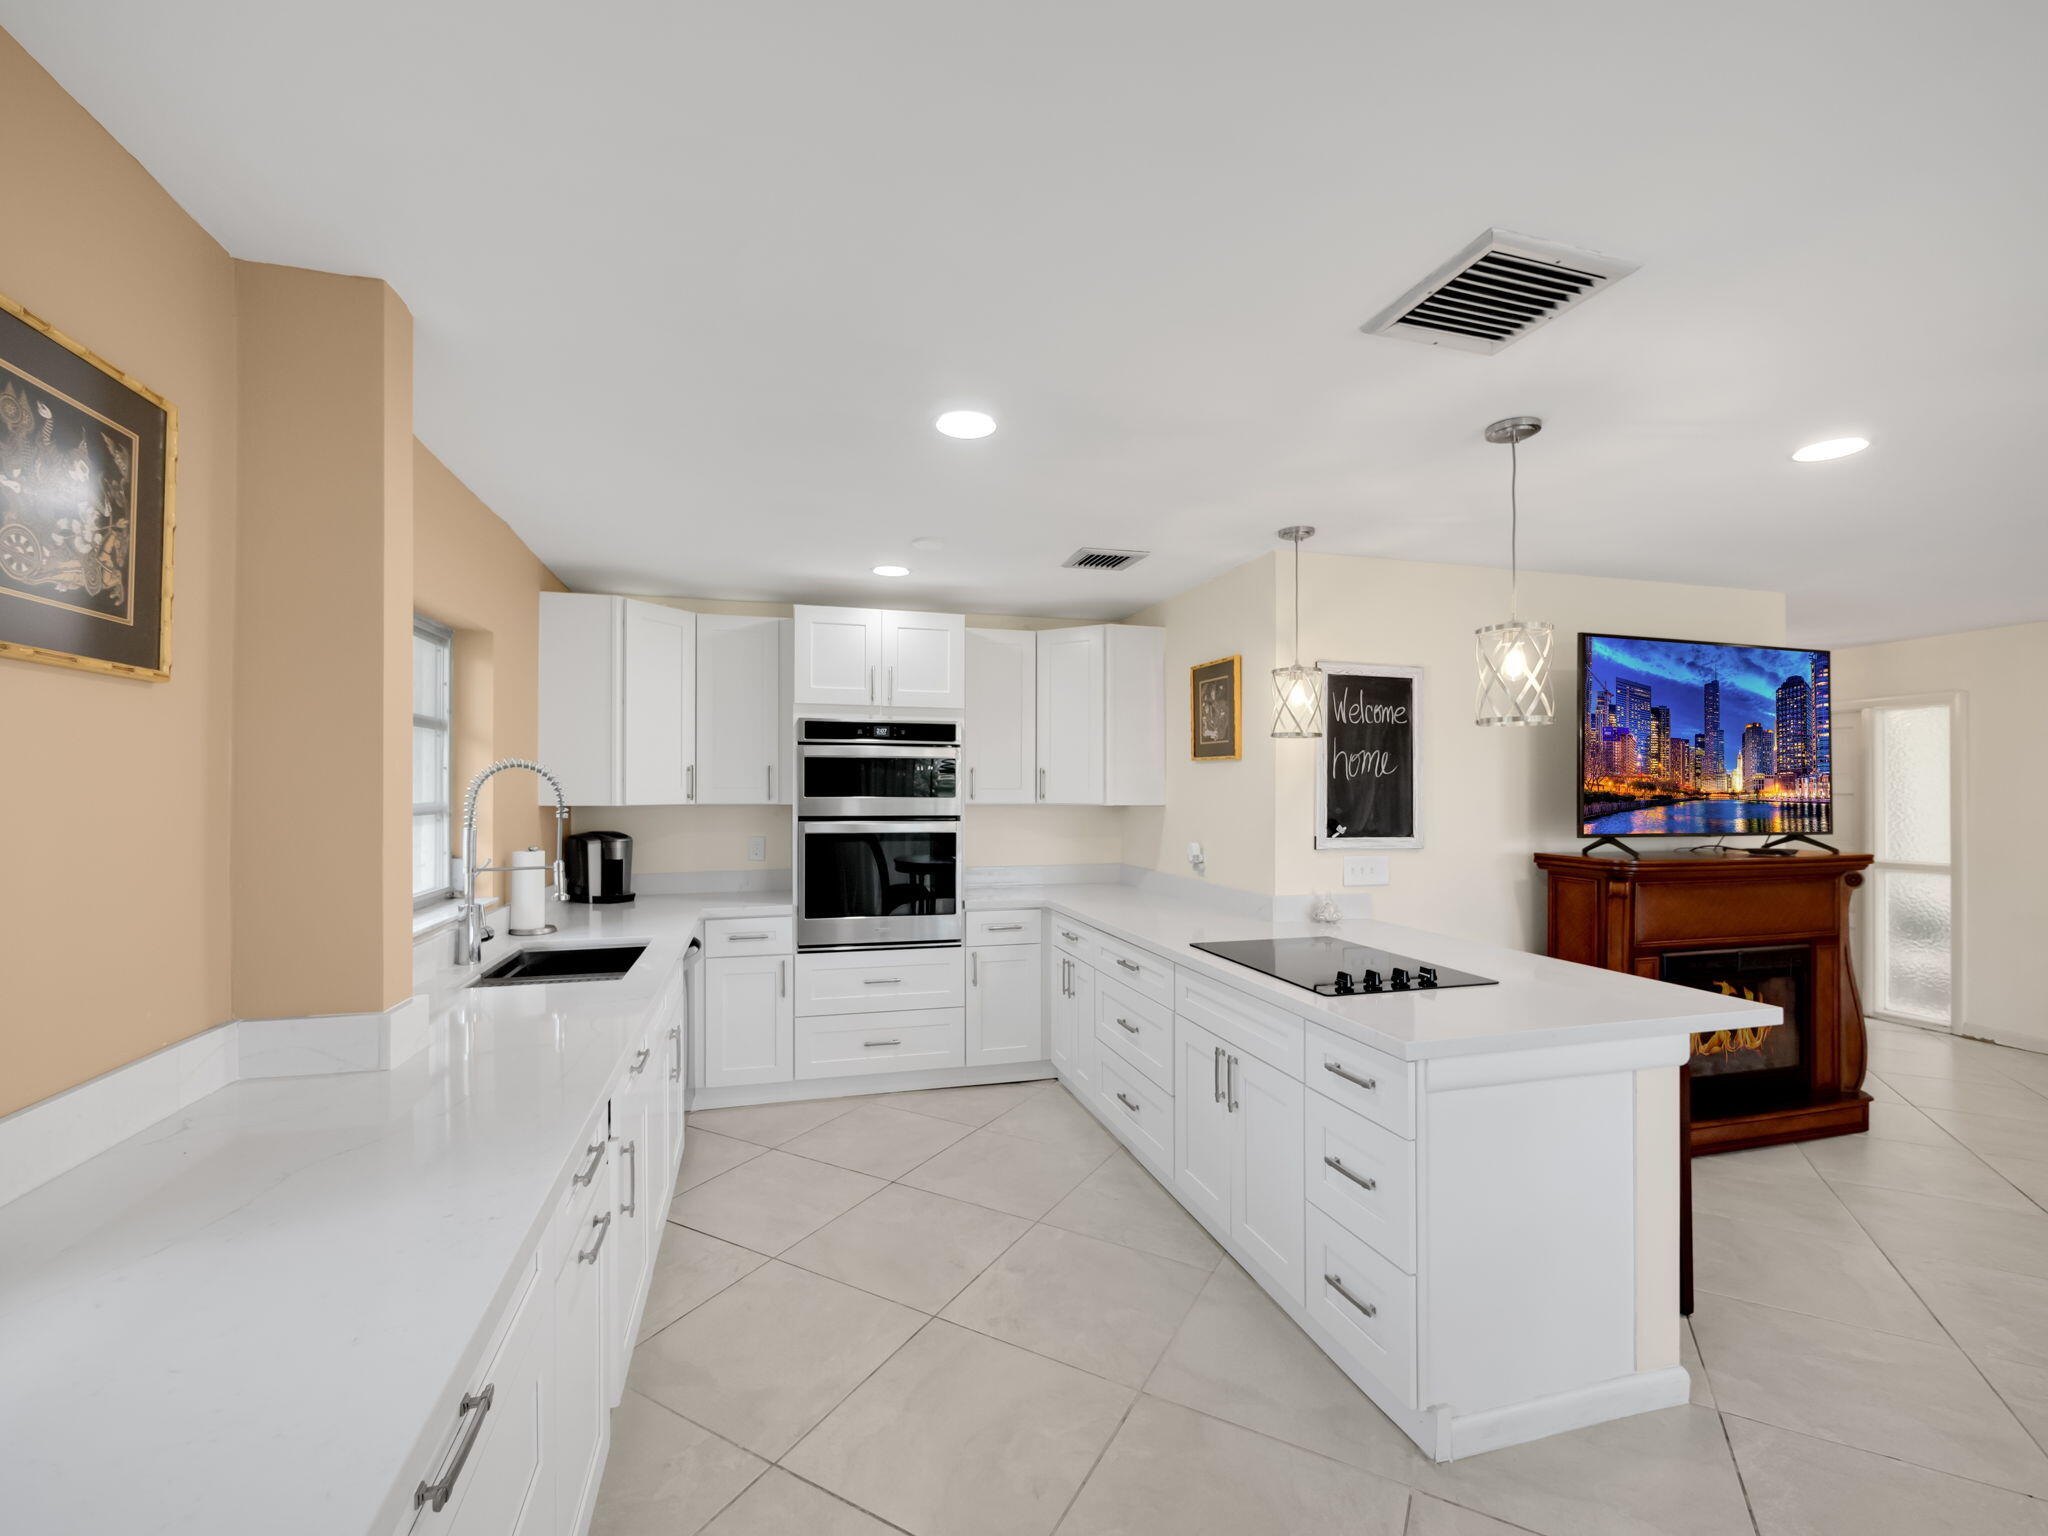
(1693, 738)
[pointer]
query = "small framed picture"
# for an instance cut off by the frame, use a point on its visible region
(1215, 709)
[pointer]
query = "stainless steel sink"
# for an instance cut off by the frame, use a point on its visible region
(531, 967)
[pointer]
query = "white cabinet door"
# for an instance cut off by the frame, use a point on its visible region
(1204, 1135)
(1268, 1194)
(581, 1412)
(1134, 715)
(1005, 1013)
(1081, 1054)
(743, 731)
(1070, 718)
(503, 1485)
(924, 660)
(1059, 1012)
(660, 713)
(641, 1213)
(749, 1021)
(581, 654)
(999, 732)
(838, 655)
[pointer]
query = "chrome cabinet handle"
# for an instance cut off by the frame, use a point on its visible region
(603, 1226)
(690, 780)
(631, 1149)
(1066, 978)
(1041, 783)
(675, 1071)
(1357, 1178)
(892, 685)
(1127, 1024)
(771, 783)
(1004, 928)
(1070, 936)
(734, 938)
(1127, 1103)
(1336, 1283)
(476, 1407)
(596, 1150)
(1230, 1082)
(881, 981)
(871, 685)
(897, 1041)
(782, 978)
(1129, 965)
(640, 1061)
(974, 968)
(1219, 1074)
(970, 781)
(1369, 1084)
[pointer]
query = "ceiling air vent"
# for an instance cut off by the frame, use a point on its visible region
(1104, 559)
(1497, 290)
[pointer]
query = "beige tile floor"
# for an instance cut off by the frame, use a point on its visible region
(968, 1313)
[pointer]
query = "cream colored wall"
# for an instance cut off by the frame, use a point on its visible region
(2003, 908)
(119, 791)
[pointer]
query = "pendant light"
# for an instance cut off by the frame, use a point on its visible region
(1514, 658)
(1299, 689)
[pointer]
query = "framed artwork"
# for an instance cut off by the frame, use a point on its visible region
(1368, 779)
(88, 457)
(1215, 711)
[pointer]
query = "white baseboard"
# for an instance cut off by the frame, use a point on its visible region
(1642, 1392)
(872, 1082)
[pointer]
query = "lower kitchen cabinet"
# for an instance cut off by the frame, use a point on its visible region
(1005, 1007)
(1070, 1019)
(749, 1013)
(581, 1283)
(1248, 1142)
(639, 1129)
(495, 1477)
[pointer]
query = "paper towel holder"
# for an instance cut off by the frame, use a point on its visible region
(514, 871)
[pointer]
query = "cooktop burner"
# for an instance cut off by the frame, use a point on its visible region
(1337, 968)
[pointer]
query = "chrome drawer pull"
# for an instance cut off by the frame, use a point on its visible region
(631, 1149)
(1369, 1084)
(604, 1229)
(476, 1407)
(1357, 1178)
(734, 938)
(1129, 965)
(675, 1071)
(1127, 1024)
(1336, 1284)
(881, 981)
(1127, 1103)
(590, 1168)
(1230, 1083)
(640, 1061)
(1069, 934)
(897, 1041)
(1005, 928)
(1219, 1074)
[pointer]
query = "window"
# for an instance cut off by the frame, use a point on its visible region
(433, 654)
(1912, 915)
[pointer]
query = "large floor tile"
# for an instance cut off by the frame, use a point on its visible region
(1987, 1311)
(1954, 1173)
(771, 1201)
(877, 1140)
(1900, 1121)
(1689, 1357)
(1880, 1091)
(691, 1268)
(781, 1505)
(768, 1125)
(1433, 1517)
(963, 1435)
(974, 1106)
(1802, 1202)
(1101, 1306)
(1121, 1203)
(706, 1154)
(1173, 1472)
(1800, 1486)
(1918, 1401)
(1006, 1173)
(1055, 1117)
(2025, 1390)
(1846, 1279)
(909, 1245)
(1967, 1233)
(769, 1356)
(1996, 1135)
(1780, 1162)
(2002, 1098)
(665, 1476)
(2025, 1174)
(1928, 1055)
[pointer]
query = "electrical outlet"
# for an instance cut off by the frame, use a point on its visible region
(757, 849)
(1365, 869)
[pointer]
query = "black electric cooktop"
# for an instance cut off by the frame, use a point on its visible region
(1337, 968)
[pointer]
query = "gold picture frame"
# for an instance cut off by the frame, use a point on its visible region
(89, 589)
(1216, 727)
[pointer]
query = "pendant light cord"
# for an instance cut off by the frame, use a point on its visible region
(1514, 536)
(1297, 605)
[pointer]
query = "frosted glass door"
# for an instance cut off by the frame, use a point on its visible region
(1913, 917)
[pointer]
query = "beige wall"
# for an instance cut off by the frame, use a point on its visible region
(2002, 905)
(119, 791)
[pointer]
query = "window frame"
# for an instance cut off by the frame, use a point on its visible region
(443, 639)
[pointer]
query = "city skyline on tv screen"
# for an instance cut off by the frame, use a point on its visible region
(1688, 738)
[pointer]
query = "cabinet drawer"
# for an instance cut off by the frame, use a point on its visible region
(1072, 937)
(1136, 1109)
(880, 980)
(1140, 970)
(1136, 1028)
(1363, 1304)
(749, 936)
(1019, 927)
(1375, 1084)
(1364, 1176)
(909, 1041)
(1257, 1028)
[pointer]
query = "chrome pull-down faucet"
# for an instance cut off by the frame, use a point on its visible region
(471, 933)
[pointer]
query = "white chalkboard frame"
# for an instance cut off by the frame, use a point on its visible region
(1369, 669)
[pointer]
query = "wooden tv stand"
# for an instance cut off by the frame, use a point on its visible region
(1639, 914)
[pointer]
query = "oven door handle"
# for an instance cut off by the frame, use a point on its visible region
(948, 750)
(943, 826)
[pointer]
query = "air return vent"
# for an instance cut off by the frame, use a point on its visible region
(1104, 559)
(1496, 291)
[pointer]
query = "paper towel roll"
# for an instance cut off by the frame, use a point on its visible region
(526, 891)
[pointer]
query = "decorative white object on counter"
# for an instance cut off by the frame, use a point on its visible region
(1326, 909)
(526, 893)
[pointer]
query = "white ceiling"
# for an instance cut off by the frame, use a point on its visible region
(691, 280)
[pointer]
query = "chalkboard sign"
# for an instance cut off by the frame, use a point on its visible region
(1367, 795)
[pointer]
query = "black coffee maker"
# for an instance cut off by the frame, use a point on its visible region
(600, 866)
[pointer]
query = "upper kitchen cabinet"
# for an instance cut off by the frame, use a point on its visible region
(872, 656)
(659, 717)
(618, 706)
(999, 732)
(743, 709)
(1101, 715)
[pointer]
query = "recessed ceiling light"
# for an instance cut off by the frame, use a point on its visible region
(1833, 448)
(892, 570)
(966, 423)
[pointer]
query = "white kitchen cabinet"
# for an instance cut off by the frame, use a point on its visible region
(502, 1485)
(1204, 1139)
(580, 1415)
(924, 660)
(999, 731)
(848, 981)
(1005, 1010)
(1238, 1159)
(743, 709)
(1070, 719)
(618, 684)
(874, 656)
(749, 1021)
(660, 705)
(838, 655)
(637, 1130)
(1070, 1018)
(1101, 715)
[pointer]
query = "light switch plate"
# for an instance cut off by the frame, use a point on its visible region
(757, 849)
(1365, 869)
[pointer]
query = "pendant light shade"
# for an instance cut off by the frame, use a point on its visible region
(1297, 690)
(1514, 658)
